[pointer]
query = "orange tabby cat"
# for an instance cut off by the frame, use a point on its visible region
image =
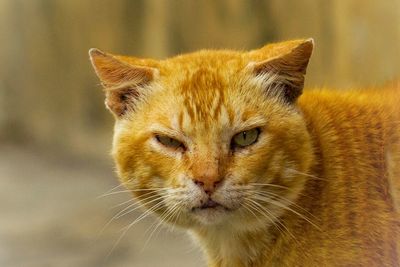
(225, 144)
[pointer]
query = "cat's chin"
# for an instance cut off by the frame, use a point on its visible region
(212, 215)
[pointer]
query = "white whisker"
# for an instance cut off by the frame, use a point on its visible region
(268, 194)
(124, 211)
(306, 174)
(286, 207)
(119, 185)
(274, 217)
(140, 205)
(277, 186)
(125, 229)
(123, 203)
(155, 189)
(163, 218)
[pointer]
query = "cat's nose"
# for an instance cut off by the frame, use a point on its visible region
(208, 185)
(208, 180)
(206, 174)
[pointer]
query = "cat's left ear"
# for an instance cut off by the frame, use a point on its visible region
(124, 82)
(284, 73)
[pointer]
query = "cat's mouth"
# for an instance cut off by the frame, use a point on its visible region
(210, 204)
(210, 212)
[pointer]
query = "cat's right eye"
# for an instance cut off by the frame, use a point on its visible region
(245, 138)
(169, 142)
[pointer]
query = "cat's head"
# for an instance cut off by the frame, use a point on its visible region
(212, 137)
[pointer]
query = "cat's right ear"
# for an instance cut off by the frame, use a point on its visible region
(285, 67)
(123, 82)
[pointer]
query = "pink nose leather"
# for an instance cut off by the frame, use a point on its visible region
(206, 176)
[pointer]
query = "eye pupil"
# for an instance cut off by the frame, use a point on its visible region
(245, 138)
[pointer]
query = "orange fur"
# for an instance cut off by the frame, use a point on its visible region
(319, 187)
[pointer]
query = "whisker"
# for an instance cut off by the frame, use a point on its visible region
(277, 219)
(277, 203)
(119, 185)
(259, 208)
(159, 195)
(124, 212)
(133, 199)
(125, 229)
(123, 203)
(282, 224)
(176, 218)
(113, 193)
(156, 189)
(306, 174)
(163, 219)
(271, 185)
(140, 205)
(245, 205)
(278, 186)
(268, 194)
(145, 214)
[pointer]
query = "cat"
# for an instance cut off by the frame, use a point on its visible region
(226, 145)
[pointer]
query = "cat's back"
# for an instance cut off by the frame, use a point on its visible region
(363, 126)
(357, 142)
(372, 112)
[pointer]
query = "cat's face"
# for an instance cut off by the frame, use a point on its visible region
(211, 138)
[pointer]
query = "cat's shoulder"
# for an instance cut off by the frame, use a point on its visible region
(381, 98)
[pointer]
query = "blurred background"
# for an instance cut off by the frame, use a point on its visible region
(55, 133)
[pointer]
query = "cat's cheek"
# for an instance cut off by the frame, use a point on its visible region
(230, 199)
(190, 195)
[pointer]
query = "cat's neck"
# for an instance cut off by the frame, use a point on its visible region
(227, 247)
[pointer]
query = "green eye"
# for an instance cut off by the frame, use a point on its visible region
(169, 142)
(245, 138)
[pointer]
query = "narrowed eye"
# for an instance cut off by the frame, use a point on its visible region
(169, 142)
(245, 138)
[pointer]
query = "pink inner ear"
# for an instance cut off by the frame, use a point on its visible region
(289, 70)
(121, 80)
(119, 100)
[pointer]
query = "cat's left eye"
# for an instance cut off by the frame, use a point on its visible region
(245, 138)
(169, 142)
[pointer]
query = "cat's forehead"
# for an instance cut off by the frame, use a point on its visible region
(203, 84)
(207, 101)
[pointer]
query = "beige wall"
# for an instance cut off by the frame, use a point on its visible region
(50, 97)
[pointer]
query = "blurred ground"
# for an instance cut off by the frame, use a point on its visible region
(51, 216)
